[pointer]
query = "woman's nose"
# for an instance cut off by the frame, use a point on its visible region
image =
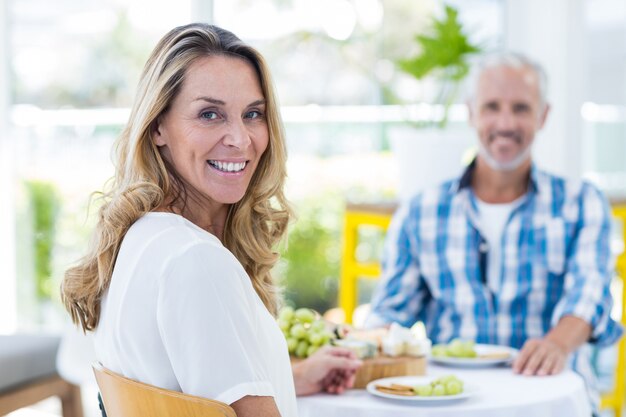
(237, 135)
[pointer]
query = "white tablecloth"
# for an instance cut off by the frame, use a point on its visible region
(500, 393)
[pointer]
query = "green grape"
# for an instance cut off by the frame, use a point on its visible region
(458, 348)
(445, 379)
(439, 390)
(318, 326)
(423, 390)
(304, 315)
(284, 325)
(301, 326)
(286, 314)
(326, 336)
(311, 350)
(302, 349)
(467, 348)
(455, 348)
(316, 339)
(453, 387)
(292, 343)
(439, 351)
(298, 331)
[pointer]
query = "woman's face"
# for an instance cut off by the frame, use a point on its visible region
(215, 130)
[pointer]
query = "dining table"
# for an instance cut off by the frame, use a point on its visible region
(491, 392)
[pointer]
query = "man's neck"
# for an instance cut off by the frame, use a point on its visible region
(499, 187)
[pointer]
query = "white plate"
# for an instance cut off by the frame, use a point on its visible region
(468, 390)
(481, 349)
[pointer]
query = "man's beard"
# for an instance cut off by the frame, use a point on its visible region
(496, 165)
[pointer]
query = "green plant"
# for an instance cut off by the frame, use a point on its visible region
(444, 54)
(45, 204)
(309, 265)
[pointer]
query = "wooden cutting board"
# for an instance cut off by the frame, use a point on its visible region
(386, 366)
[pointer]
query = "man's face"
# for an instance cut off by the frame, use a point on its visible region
(506, 113)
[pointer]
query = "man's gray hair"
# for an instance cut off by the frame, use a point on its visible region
(507, 59)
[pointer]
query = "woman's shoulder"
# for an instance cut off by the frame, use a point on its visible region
(167, 237)
(169, 227)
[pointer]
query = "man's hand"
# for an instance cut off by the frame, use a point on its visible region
(330, 369)
(547, 356)
(540, 357)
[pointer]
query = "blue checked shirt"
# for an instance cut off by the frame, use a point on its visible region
(555, 261)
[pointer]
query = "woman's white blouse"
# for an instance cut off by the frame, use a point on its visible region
(181, 313)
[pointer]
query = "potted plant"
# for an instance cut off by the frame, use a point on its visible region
(435, 152)
(444, 54)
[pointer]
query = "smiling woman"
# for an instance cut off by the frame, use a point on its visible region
(177, 283)
(214, 135)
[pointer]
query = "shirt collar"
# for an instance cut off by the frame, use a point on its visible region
(465, 180)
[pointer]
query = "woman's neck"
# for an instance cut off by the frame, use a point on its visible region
(207, 215)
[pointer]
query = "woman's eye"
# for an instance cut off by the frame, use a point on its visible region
(253, 114)
(208, 115)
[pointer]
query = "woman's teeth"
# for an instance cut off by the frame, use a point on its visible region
(228, 166)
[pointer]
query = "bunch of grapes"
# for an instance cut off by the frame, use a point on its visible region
(304, 332)
(457, 348)
(446, 385)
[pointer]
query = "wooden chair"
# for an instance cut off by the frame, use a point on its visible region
(123, 397)
(33, 392)
(28, 374)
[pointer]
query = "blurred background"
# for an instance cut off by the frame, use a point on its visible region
(352, 112)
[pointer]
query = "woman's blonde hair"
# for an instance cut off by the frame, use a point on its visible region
(144, 180)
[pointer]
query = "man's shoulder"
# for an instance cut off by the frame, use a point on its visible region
(560, 187)
(569, 197)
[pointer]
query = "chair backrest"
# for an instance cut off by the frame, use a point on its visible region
(123, 397)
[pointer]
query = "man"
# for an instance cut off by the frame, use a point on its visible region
(506, 254)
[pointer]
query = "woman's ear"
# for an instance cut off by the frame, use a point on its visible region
(157, 132)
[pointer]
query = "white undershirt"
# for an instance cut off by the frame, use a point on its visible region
(181, 313)
(493, 219)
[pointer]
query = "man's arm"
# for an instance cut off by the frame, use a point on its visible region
(547, 356)
(583, 313)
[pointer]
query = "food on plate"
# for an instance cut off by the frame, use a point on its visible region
(445, 385)
(466, 349)
(396, 389)
(303, 330)
(457, 348)
(387, 390)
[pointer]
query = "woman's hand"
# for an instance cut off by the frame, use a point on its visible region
(330, 369)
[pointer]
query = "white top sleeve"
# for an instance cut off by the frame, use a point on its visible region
(201, 329)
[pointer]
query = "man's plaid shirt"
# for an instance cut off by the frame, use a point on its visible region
(556, 261)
